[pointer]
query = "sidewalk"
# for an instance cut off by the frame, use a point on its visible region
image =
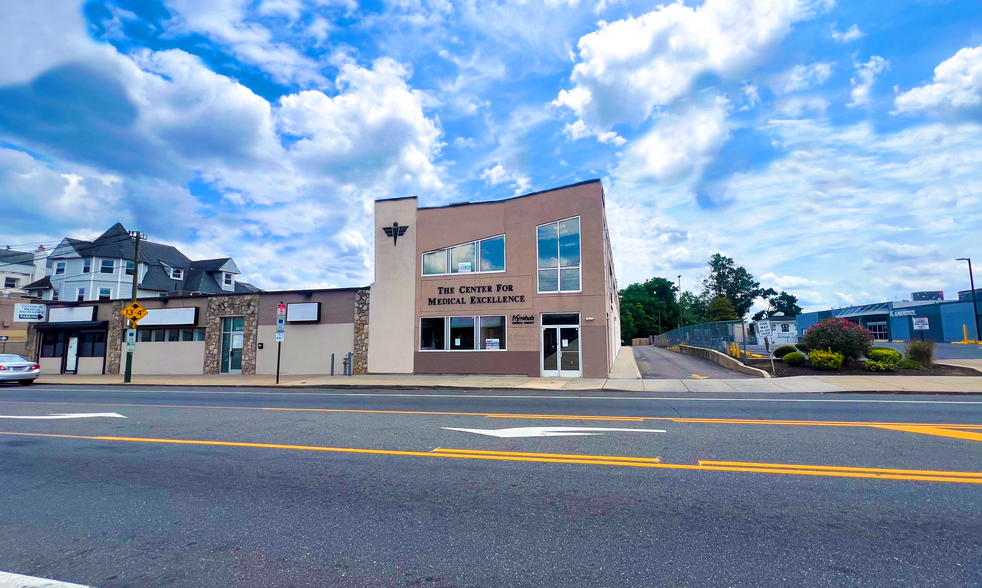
(753, 385)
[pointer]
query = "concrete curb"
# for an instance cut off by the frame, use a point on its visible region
(721, 359)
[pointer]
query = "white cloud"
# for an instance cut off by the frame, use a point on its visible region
(678, 144)
(798, 105)
(629, 67)
(957, 86)
(790, 282)
(862, 83)
(499, 175)
(851, 34)
(752, 93)
(802, 77)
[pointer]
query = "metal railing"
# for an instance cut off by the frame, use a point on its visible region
(718, 336)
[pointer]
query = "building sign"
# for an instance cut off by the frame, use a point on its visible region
(903, 312)
(171, 316)
(921, 324)
(491, 344)
(303, 312)
(523, 319)
(70, 314)
(478, 294)
(464, 267)
(29, 313)
(764, 328)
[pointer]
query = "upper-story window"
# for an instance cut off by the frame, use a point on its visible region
(10, 282)
(484, 256)
(86, 266)
(177, 273)
(129, 268)
(227, 278)
(59, 268)
(107, 266)
(558, 246)
(79, 294)
(54, 294)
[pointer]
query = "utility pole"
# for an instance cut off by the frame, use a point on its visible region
(680, 301)
(975, 302)
(128, 375)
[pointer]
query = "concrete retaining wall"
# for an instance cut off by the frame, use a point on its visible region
(720, 358)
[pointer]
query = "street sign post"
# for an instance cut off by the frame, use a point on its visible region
(764, 330)
(280, 335)
(921, 324)
(29, 313)
(134, 312)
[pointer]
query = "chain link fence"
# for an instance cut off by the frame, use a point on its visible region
(718, 336)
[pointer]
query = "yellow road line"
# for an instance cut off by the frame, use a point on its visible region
(522, 457)
(563, 455)
(841, 468)
(936, 431)
(698, 377)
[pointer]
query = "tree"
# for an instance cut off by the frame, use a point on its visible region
(649, 308)
(721, 309)
(693, 308)
(733, 282)
(783, 303)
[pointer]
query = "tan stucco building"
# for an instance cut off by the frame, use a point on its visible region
(518, 286)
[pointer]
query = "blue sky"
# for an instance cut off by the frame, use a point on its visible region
(833, 148)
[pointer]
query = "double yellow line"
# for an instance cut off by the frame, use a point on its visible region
(570, 458)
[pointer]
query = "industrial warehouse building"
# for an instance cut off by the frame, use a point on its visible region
(521, 286)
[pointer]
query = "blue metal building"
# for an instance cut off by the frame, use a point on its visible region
(893, 321)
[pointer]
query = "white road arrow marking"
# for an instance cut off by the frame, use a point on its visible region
(550, 431)
(86, 415)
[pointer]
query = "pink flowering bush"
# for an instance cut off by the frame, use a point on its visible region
(840, 336)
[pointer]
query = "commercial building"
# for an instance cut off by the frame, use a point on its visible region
(206, 334)
(518, 286)
(947, 321)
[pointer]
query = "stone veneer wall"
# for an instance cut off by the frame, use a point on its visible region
(31, 343)
(114, 339)
(222, 306)
(360, 357)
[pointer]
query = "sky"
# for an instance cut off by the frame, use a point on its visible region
(834, 149)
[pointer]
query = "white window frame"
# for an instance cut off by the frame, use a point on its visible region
(16, 282)
(446, 333)
(477, 258)
(87, 266)
(60, 268)
(80, 291)
(110, 290)
(559, 275)
(227, 279)
(176, 273)
(54, 294)
(101, 264)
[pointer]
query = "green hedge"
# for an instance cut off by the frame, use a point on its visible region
(884, 355)
(826, 360)
(783, 350)
(794, 358)
(908, 364)
(877, 366)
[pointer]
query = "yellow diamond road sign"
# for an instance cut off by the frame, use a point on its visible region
(134, 312)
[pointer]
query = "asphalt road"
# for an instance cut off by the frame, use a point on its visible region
(655, 362)
(231, 487)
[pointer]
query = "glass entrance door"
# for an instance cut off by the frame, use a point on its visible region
(71, 355)
(232, 343)
(561, 346)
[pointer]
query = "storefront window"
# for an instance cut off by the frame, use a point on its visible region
(558, 247)
(92, 345)
(461, 333)
(53, 344)
(492, 332)
(432, 334)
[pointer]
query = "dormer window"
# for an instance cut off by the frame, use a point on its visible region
(227, 278)
(177, 273)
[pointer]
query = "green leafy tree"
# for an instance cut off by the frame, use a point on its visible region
(721, 309)
(783, 303)
(649, 308)
(733, 282)
(694, 308)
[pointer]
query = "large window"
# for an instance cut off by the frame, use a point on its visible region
(484, 256)
(462, 333)
(92, 344)
(107, 266)
(53, 344)
(558, 247)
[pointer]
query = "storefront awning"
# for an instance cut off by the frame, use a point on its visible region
(72, 326)
(866, 309)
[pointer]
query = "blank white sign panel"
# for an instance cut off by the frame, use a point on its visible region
(303, 312)
(169, 316)
(71, 314)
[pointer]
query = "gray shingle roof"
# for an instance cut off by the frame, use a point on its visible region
(42, 284)
(11, 257)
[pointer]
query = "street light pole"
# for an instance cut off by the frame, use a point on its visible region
(975, 302)
(680, 301)
(128, 374)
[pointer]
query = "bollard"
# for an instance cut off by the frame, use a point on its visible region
(332, 364)
(348, 361)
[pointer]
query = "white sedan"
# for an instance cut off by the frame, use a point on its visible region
(19, 369)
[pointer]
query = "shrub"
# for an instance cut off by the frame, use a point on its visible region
(783, 350)
(794, 358)
(826, 360)
(884, 355)
(877, 366)
(802, 347)
(908, 364)
(840, 336)
(920, 351)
